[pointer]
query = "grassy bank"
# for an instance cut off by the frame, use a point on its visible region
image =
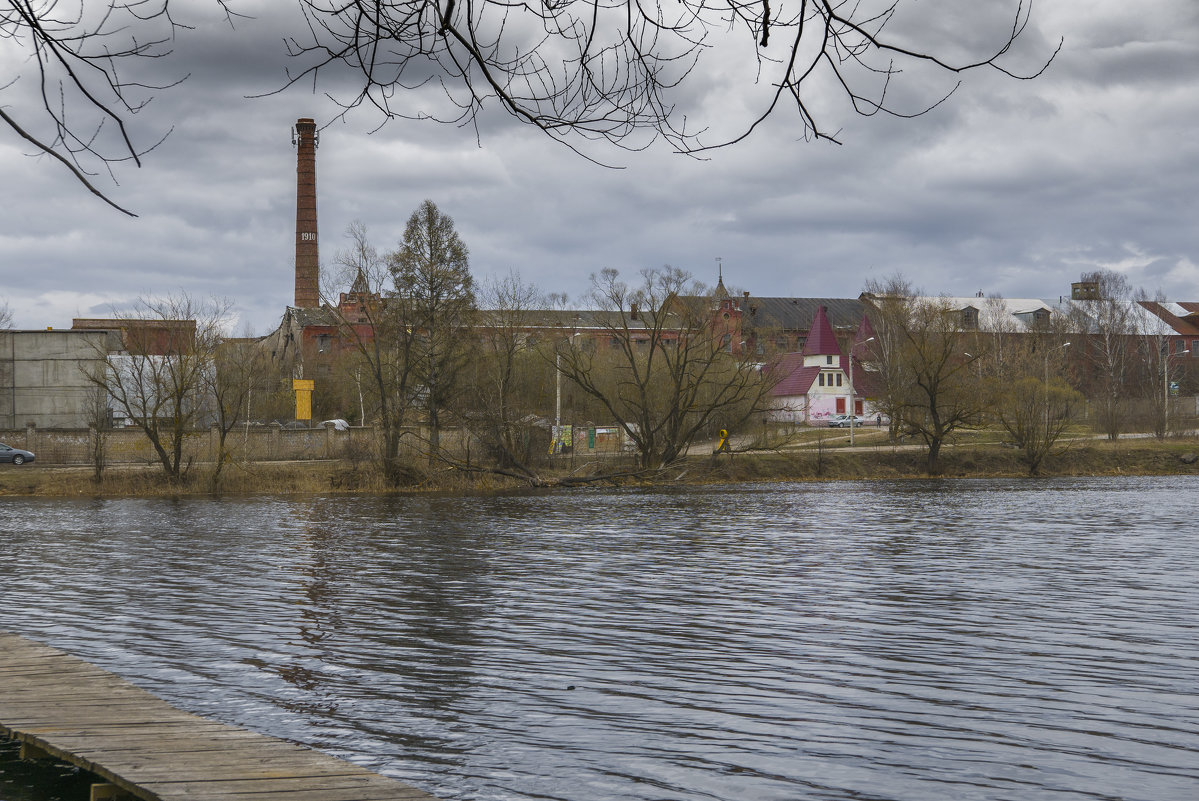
(975, 458)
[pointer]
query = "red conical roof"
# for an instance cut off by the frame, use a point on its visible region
(821, 341)
(865, 333)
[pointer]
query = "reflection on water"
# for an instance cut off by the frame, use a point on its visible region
(913, 640)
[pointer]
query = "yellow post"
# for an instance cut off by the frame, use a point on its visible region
(303, 389)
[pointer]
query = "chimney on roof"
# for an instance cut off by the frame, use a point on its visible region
(633, 312)
(305, 138)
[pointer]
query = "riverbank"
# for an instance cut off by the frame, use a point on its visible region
(977, 459)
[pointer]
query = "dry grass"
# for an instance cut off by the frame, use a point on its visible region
(966, 460)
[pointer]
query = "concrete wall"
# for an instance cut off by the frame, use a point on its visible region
(42, 377)
(266, 443)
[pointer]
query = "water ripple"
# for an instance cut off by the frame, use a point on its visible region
(908, 640)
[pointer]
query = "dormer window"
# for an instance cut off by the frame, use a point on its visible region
(828, 359)
(969, 317)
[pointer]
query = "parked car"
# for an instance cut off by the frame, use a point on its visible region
(842, 421)
(14, 455)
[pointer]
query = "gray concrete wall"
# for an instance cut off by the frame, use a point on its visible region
(42, 377)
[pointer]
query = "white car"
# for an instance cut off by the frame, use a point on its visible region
(842, 421)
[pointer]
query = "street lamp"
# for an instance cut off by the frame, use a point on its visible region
(852, 408)
(558, 394)
(1166, 387)
(1047, 352)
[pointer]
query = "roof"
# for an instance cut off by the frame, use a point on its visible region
(821, 340)
(1146, 318)
(796, 314)
(1013, 306)
(865, 334)
(796, 379)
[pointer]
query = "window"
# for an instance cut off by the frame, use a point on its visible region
(322, 343)
(828, 359)
(799, 342)
(1194, 348)
(822, 379)
(1181, 347)
(838, 379)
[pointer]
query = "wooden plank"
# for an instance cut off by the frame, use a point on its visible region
(69, 709)
(342, 788)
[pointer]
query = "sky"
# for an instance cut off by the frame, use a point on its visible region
(1009, 187)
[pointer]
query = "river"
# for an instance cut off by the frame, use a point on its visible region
(967, 639)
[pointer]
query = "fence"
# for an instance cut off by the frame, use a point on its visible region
(268, 443)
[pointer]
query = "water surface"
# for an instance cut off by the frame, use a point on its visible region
(985, 639)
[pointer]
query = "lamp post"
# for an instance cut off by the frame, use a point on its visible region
(558, 394)
(852, 408)
(1046, 386)
(1166, 387)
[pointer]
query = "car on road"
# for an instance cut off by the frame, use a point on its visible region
(842, 421)
(14, 455)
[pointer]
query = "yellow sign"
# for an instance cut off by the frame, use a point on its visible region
(303, 389)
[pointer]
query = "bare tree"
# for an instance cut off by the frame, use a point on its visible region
(502, 390)
(80, 56)
(1161, 364)
(576, 69)
(615, 70)
(1029, 395)
(5, 315)
(1108, 325)
(236, 367)
(372, 326)
(933, 388)
(161, 378)
(667, 370)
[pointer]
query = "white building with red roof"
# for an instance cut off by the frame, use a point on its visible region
(815, 383)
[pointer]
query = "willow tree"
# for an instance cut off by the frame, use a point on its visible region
(662, 366)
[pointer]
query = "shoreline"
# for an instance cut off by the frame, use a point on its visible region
(1125, 457)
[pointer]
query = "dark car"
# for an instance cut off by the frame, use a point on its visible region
(14, 455)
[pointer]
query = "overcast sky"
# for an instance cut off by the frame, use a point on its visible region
(1010, 187)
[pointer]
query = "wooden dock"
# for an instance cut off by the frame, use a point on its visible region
(62, 707)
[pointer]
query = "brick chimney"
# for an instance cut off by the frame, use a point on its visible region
(307, 257)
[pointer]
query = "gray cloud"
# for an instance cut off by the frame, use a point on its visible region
(1011, 187)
